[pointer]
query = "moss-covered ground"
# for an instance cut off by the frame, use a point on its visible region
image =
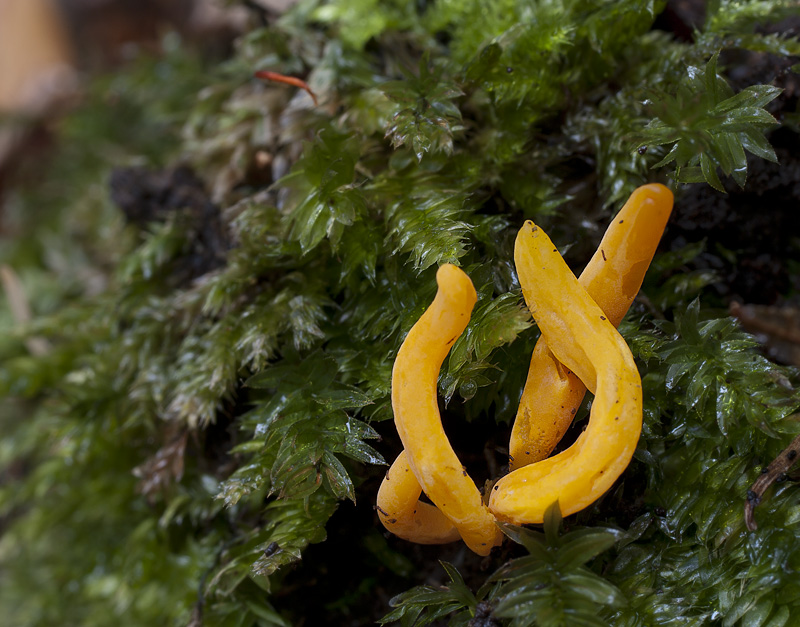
(195, 418)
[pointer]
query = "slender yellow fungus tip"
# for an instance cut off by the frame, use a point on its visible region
(429, 455)
(552, 394)
(587, 344)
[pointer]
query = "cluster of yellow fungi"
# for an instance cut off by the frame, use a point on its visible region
(579, 349)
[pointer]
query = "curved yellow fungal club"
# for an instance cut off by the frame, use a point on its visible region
(583, 339)
(416, 412)
(552, 393)
(402, 513)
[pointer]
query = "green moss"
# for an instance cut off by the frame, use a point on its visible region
(205, 415)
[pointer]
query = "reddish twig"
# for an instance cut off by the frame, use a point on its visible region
(289, 80)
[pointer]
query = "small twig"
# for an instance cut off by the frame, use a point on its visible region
(289, 80)
(17, 301)
(778, 323)
(776, 328)
(21, 309)
(769, 475)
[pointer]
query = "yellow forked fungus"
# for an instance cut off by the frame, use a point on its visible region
(402, 513)
(612, 278)
(414, 400)
(583, 339)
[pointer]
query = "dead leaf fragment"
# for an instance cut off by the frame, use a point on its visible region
(163, 468)
(777, 328)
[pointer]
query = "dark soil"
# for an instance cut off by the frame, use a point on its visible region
(751, 234)
(152, 196)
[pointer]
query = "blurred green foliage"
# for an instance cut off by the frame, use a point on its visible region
(192, 430)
